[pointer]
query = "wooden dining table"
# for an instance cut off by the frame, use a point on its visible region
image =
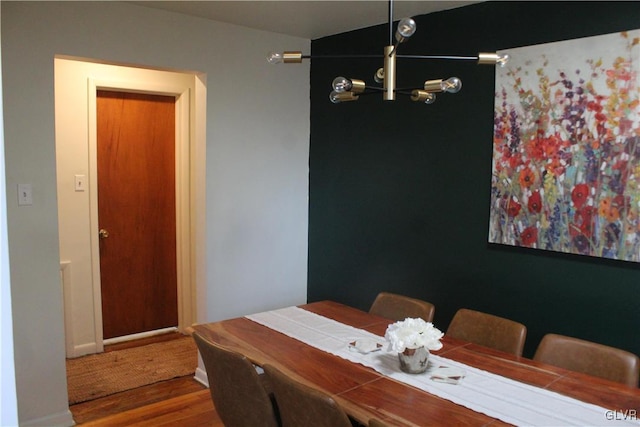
(366, 394)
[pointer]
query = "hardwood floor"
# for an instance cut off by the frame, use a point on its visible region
(190, 410)
(180, 401)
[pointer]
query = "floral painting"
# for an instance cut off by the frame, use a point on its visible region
(566, 149)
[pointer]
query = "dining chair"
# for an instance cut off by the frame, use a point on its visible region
(399, 307)
(488, 330)
(590, 358)
(239, 393)
(301, 405)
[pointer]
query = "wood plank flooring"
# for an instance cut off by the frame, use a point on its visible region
(180, 401)
(189, 410)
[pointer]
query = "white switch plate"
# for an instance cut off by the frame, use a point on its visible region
(25, 195)
(80, 184)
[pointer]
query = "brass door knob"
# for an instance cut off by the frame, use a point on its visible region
(103, 234)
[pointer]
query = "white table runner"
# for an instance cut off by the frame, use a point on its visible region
(496, 396)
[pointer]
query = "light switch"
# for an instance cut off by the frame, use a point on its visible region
(25, 196)
(80, 183)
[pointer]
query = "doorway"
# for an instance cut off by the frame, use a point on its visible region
(77, 84)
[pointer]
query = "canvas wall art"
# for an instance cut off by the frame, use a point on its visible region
(566, 149)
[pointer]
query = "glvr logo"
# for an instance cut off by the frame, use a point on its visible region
(622, 414)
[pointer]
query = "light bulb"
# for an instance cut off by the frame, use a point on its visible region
(378, 77)
(338, 97)
(451, 85)
(341, 84)
(334, 97)
(406, 28)
(502, 60)
(274, 57)
(423, 96)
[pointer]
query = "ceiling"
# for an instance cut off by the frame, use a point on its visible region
(309, 19)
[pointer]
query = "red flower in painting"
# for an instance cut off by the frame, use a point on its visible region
(585, 216)
(622, 203)
(513, 208)
(579, 195)
(552, 146)
(535, 149)
(526, 177)
(514, 160)
(583, 222)
(535, 202)
(620, 165)
(529, 236)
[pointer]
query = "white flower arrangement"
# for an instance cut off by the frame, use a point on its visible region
(413, 333)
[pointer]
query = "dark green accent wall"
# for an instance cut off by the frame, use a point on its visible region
(399, 191)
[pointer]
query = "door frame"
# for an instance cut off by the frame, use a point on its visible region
(76, 83)
(186, 315)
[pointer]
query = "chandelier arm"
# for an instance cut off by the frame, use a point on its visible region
(370, 90)
(407, 90)
(376, 89)
(390, 22)
(340, 56)
(459, 58)
(444, 57)
(403, 92)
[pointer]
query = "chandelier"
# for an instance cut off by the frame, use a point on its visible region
(349, 89)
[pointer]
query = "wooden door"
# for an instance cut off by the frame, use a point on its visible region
(136, 212)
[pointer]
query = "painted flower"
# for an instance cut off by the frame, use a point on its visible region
(622, 203)
(604, 206)
(584, 221)
(527, 178)
(513, 208)
(579, 195)
(413, 333)
(535, 202)
(613, 214)
(529, 236)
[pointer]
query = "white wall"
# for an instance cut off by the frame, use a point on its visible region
(256, 179)
(8, 404)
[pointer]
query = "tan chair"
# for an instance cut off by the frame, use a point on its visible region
(301, 405)
(237, 390)
(488, 330)
(399, 307)
(589, 358)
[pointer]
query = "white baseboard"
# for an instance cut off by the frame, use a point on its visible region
(61, 419)
(201, 376)
(83, 349)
